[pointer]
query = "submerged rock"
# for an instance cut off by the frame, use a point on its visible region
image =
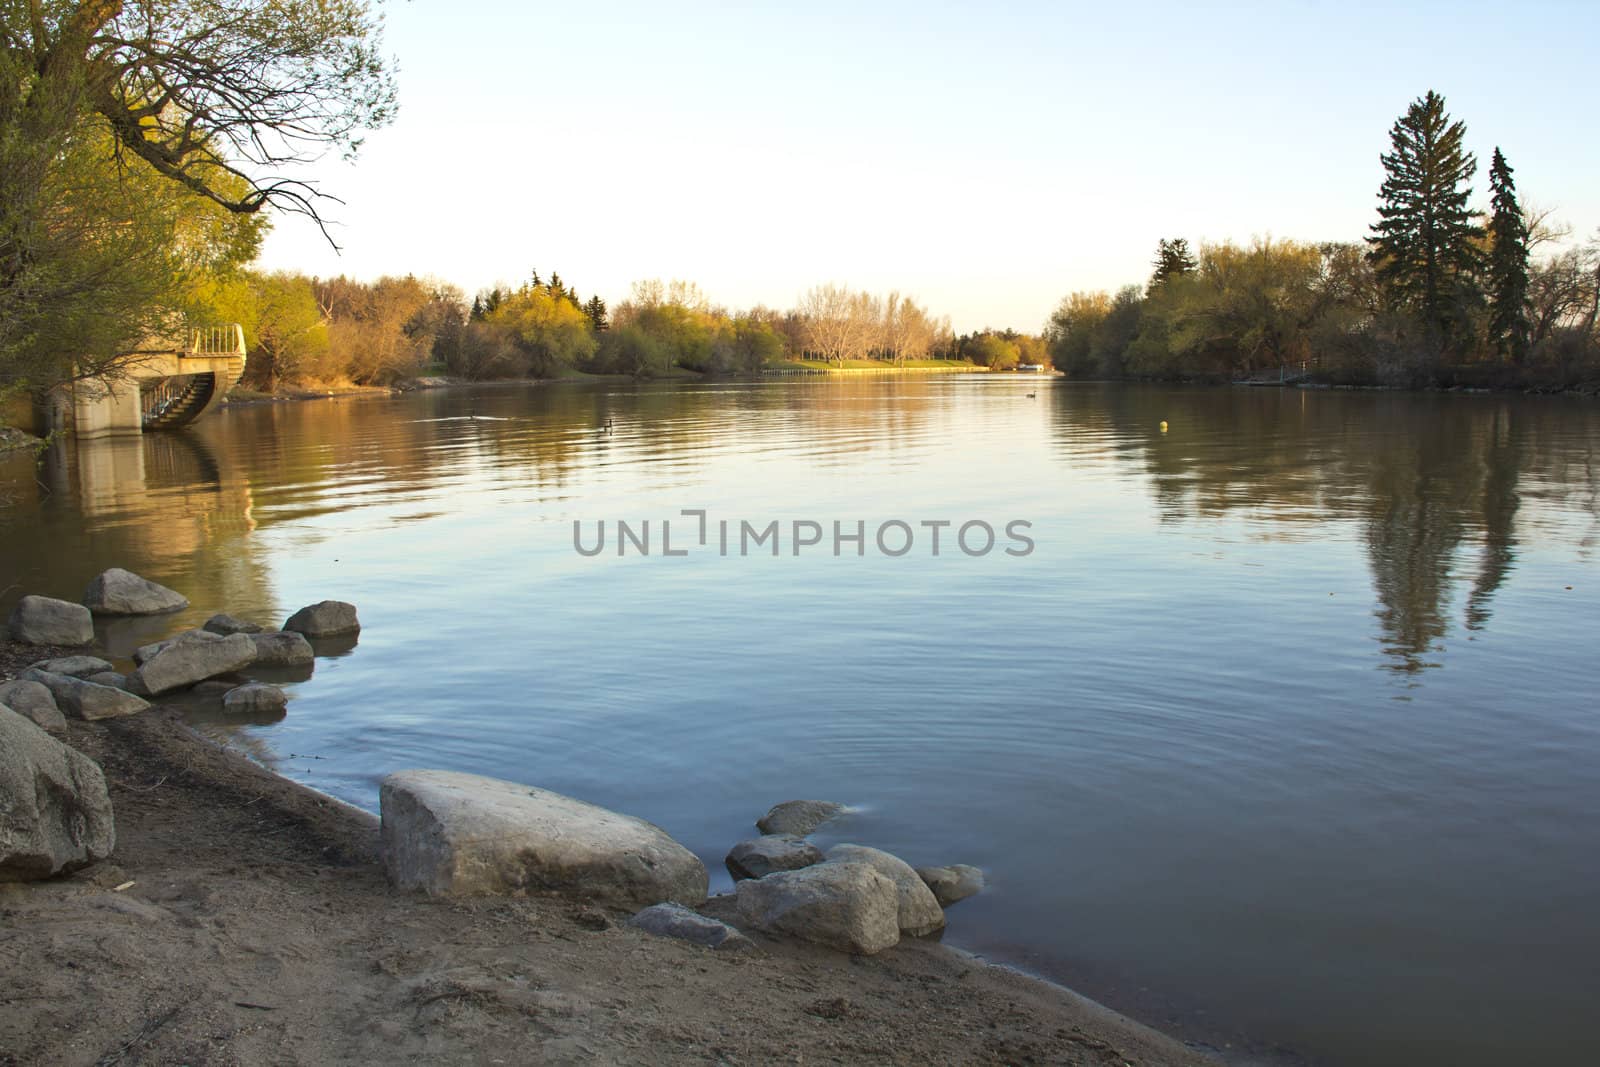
(848, 906)
(120, 592)
(73, 666)
(330, 618)
(675, 920)
(255, 698)
(56, 814)
(33, 701)
(284, 648)
(918, 909)
(42, 620)
(226, 624)
(186, 662)
(798, 817)
(86, 700)
(463, 834)
(760, 856)
(952, 884)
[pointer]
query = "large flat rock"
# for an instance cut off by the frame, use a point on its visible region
(55, 812)
(86, 700)
(463, 834)
(188, 662)
(74, 666)
(42, 620)
(120, 592)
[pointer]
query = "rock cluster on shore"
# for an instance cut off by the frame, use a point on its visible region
(453, 834)
(55, 815)
(443, 832)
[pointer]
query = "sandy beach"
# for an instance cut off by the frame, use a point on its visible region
(245, 919)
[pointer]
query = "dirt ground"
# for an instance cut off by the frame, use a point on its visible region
(245, 920)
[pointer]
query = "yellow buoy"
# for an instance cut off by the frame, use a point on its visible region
(1163, 426)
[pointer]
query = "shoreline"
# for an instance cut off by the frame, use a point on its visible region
(259, 925)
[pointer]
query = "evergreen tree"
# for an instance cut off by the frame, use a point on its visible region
(596, 310)
(1423, 244)
(477, 308)
(1508, 264)
(534, 281)
(1173, 258)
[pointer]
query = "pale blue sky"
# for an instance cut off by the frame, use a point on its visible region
(987, 159)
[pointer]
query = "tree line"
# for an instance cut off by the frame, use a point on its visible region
(1437, 294)
(310, 331)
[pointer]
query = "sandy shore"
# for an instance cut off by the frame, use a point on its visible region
(258, 928)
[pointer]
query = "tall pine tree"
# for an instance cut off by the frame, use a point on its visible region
(1508, 264)
(1172, 259)
(1423, 244)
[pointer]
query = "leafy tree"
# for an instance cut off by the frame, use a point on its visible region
(550, 333)
(1173, 259)
(287, 332)
(1071, 329)
(1424, 242)
(1508, 264)
(991, 350)
(121, 120)
(630, 350)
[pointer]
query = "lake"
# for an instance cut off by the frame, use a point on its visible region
(1284, 736)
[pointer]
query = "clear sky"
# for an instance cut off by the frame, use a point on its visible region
(986, 158)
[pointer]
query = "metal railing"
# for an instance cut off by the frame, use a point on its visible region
(217, 340)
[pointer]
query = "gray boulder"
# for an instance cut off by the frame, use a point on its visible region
(120, 592)
(55, 812)
(33, 701)
(146, 652)
(86, 700)
(952, 884)
(73, 666)
(255, 698)
(183, 663)
(282, 649)
(798, 817)
(330, 618)
(41, 620)
(675, 920)
(760, 856)
(111, 678)
(919, 913)
(227, 624)
(464, 834)
(848, 906)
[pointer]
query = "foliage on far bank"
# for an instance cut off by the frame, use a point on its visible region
(1439, 294)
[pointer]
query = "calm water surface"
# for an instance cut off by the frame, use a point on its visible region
(1285, 736)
